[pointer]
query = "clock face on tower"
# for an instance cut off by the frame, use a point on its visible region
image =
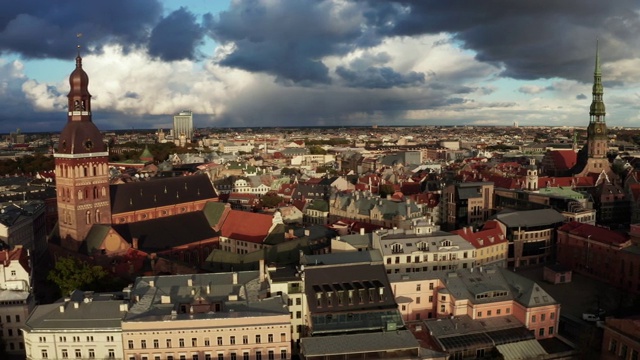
(598, 130)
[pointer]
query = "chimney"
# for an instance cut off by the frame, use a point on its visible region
(189, 282)
(76, 304)
(307, 232)
(134, 243)
(262, 272)
(61, 308)
(361, 231)
(124, 307)
(234, 278)
(152, 283)
(208, 289)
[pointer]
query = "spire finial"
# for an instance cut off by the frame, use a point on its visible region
(597, 70)
(78, 58)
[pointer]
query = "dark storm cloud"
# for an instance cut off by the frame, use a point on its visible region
(378, 77)
(581, 97)
(45, 28)
(132, 95)
(288, 39)
(530, 39)
(176, 37)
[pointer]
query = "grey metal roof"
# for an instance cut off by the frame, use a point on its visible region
(529, 218)
(77, 315)
(502, 284)
(346, 257)
(469, 193)
(358, 343)
(526, 291)
(156, 297)
(528, 349)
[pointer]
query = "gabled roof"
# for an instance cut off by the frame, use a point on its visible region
(246, 226)
(563, 159)
(526, 291)
(595, 233)
(490, 235)
(215, 212)
(162, 234)
(18, 254)
(96, 236)
(160, 192)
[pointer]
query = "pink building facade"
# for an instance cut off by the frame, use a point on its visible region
(480, 294)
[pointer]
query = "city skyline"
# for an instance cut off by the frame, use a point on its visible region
(320, 63)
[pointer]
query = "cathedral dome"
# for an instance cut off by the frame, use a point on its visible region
(80, 137)
(79, 80)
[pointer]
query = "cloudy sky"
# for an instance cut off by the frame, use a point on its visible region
(319, 62)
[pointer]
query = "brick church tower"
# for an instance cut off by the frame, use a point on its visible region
(593, 157)
(82, 172)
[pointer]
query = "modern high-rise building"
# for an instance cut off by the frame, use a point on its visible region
(183, 125)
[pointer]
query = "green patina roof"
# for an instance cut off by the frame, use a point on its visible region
(276, 236)
(146, 154)
(213, 212)
(562, 191)
(320, 205)
(96, 236)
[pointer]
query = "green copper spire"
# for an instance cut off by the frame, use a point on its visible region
(597, 70)
(597, 111)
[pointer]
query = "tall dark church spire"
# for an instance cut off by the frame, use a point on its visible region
(597, 111)
(597, 131)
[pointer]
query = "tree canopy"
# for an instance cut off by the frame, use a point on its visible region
(270, 200)
(70, 274)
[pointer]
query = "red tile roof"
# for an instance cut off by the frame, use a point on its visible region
(596, 233)
(563, 159)
(246, 226)
(544, 182)
(17, 254)
(490, 235)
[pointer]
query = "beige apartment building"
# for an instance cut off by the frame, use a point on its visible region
(83, 326)
(422, 249)
(16, 300)
(206, 316)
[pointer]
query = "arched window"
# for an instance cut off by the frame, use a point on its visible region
(85, 171)
(79, 194)
(88, 217)
(97, 216)
(86, 193)
(95, 192)
(95, 170)
(104, 191)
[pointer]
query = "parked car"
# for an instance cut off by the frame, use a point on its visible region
(590, 317)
